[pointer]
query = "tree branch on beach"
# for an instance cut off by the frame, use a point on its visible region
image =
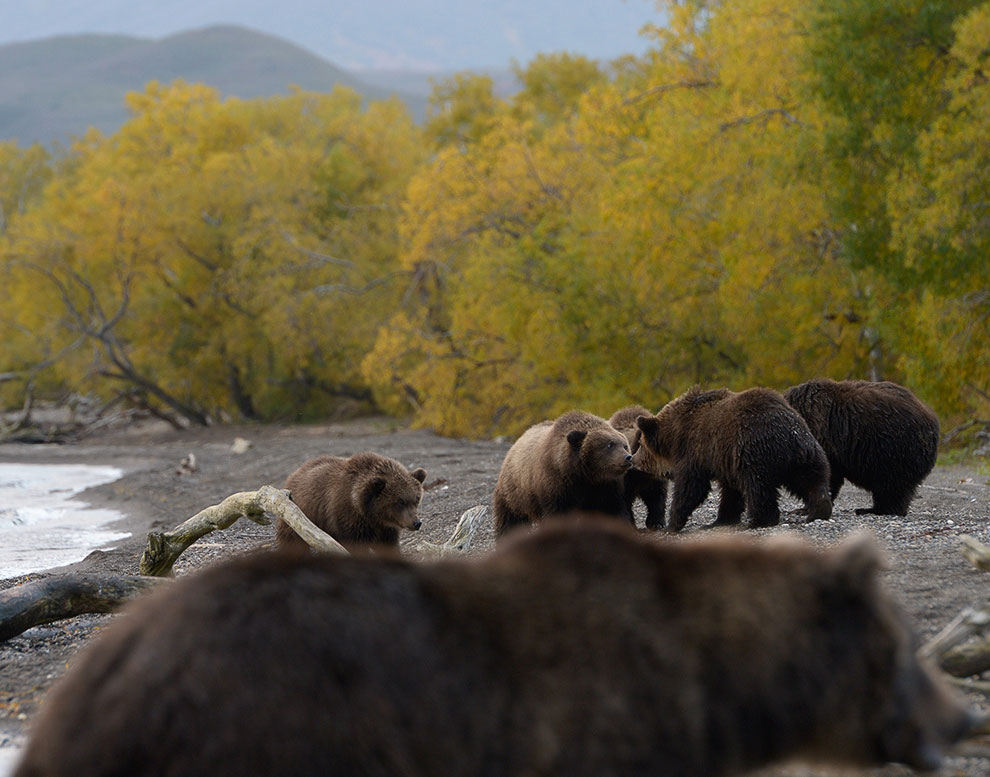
(64, 596)
(260, 506)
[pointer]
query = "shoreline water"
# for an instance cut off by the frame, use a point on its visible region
(42, 523)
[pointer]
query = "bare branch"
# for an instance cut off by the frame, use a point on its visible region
(761, 116)
(164, 548)
(702, 83)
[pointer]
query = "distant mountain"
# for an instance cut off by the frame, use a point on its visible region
(55, 88)
(384, 34)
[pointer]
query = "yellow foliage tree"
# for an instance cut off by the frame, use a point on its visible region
(226, 258)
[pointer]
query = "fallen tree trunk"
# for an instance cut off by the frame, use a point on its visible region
(63, 596)
(261, 506)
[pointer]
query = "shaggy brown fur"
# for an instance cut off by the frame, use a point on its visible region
(360, 501)
(651, 489)
(577, 462)
(879, 436)
(752, 443)
(578, 651)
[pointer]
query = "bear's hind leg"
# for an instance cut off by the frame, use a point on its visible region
(730, 506)
(761, 506)
(888, 501)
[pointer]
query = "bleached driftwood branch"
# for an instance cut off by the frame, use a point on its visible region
(261, 507)
(976, 552)
(63, 596)
(970, 622)
(463, 534)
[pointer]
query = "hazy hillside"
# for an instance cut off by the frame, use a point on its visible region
(57, 87)
(386, 34)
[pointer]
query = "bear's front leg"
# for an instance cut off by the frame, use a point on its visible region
(691, 488)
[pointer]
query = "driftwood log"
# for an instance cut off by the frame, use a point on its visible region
(63, 596)
(260, 506)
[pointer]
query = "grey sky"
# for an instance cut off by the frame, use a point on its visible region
(420, 34)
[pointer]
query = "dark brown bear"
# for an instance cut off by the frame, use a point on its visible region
(361, 501)
(752, 443)
(578, 651)
(577, 462)
(878, 436)
(651, 489)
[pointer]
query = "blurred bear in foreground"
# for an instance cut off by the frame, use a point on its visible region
(878, 436)
(362, 501)
(644, 485)
(752, 443)
(577, 462)
(579, 650)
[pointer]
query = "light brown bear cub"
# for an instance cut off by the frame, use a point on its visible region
(644, 485)
(577, 462)
(752, 443)
(581, 650)
(360, 501)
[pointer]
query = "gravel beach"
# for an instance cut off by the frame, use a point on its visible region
(927, 573)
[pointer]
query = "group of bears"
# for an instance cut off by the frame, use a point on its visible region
(877, 435)
(582, 649)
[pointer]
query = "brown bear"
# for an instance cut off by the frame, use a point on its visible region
(577, 462)
(361, 501)
(752, 443)
(644, 485)
(878, 436)
(581, 650)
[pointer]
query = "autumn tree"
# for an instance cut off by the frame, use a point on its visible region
(224, 257)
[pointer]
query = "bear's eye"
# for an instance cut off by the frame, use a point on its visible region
(610, 445)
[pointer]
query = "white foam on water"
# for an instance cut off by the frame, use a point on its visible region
(9, 756)
(41, 525)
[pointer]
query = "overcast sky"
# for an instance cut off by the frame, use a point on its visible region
(420, 34)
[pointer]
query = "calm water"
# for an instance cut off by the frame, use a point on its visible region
(41, 525)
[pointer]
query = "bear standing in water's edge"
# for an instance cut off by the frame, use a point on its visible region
(580, 650)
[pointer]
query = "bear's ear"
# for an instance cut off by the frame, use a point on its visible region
(857, 561)
(419, 473)
(648, 425)
(575, 437)
(374, 487)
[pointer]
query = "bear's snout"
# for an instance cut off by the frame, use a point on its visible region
(416, 524)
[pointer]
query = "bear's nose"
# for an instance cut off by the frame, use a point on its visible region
(416, 525)
(628, 458)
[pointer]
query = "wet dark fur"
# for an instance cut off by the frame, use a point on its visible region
(752, 443)
(652, 490)
(577, 462)
(362, 501)
(878, 436)
(578, 650)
